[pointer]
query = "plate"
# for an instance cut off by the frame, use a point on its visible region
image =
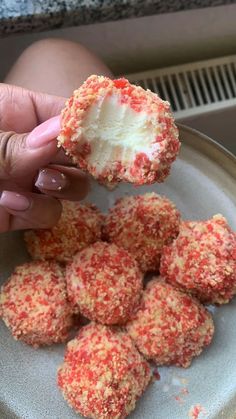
(202, 183)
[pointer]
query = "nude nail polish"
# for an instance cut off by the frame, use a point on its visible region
(51, 180)
(14, 201)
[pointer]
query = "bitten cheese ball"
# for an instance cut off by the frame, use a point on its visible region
(119, 132)
(78, 227)
(104, 283)
(34, 306)
(103, 374)
(143, 224)
(202, 260)
(170, 327)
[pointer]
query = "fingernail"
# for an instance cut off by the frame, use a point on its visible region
(44, 133)
(14, 201)
(52, 180)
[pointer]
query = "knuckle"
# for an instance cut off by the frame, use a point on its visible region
(7, 103)
(10, 146)
(5, 154)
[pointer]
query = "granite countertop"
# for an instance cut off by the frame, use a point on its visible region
(21, 16)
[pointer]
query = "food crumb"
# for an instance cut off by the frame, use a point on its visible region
(184, 391)
(179, 400)
(184, 381)
(156, 375)
(179, 397)
(195, 411)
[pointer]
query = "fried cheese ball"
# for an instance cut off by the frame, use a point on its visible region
(143, 224)
(170, 327)
(78, 227)
(104, 283)
(202, 260)
(34, 305)
(119, 132)
(103, 374)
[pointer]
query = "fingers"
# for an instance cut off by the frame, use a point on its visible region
(22, 211)
(46, 106)
(63, 182)
(22, 155)
(21, 110)
(62, 158)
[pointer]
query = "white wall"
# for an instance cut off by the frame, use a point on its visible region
(145, 43)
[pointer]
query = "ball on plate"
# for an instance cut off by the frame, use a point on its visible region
(119, 132)
(104, 283)
(78, 227)
(103, 374)
(202, 260)
(34, 305)
(170, 327)
(143, 224)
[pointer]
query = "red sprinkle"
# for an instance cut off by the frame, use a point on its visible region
(156, 374)
(195, 411)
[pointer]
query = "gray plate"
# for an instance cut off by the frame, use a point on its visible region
(202, 183)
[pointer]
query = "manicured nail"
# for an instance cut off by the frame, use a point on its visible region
(14, 201)
(44, 133)
(52, 180)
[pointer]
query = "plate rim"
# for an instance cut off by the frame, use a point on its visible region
(210, 148)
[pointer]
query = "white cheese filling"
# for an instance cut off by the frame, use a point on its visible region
(117, 132)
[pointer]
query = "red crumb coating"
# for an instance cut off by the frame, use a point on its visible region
(104, 283)
(140, 166)
(143, 224)
(202, 260)
(33, 304)
(103, 374)
(78, 227)
(170, 327)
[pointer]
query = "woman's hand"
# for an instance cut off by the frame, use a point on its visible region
(33, 171)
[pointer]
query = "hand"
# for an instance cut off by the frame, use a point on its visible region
(33, 171)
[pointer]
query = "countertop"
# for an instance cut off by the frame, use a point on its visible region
(22, 16)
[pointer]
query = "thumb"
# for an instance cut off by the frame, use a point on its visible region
(22, 154)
